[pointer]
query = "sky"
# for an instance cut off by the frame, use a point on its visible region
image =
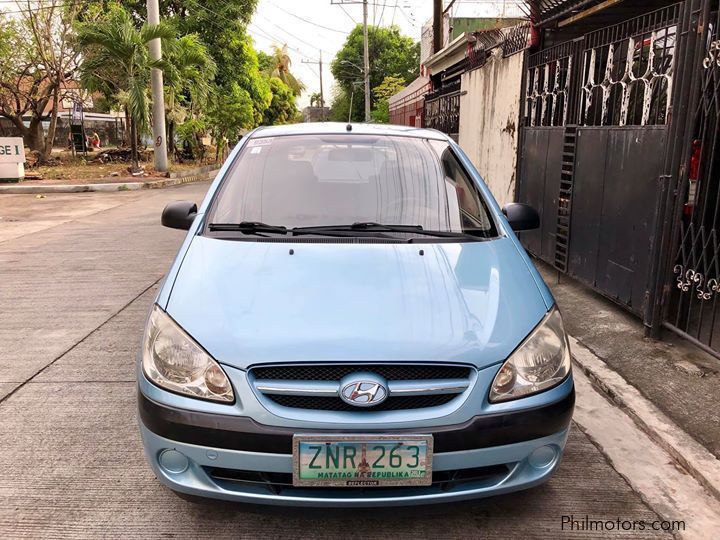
(314, 27)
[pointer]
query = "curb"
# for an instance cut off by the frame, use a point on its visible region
(16, 189)
(700, 463)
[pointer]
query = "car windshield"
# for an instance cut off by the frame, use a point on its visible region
(325, 180)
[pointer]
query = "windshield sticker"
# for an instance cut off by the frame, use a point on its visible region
(256, 150)
(265, 141)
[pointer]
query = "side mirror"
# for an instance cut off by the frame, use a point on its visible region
(179, 215)
(522, 217)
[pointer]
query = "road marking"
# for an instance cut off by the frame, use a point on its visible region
(648, 468)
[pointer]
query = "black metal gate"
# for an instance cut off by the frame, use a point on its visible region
(442, 108)
(689, 285)
(596, 110)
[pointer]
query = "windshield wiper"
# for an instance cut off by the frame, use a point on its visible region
(371, 226)
(248, 227)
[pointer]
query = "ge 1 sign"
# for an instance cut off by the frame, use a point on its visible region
(12, 159)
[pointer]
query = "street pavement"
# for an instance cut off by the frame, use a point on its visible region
(78, 273)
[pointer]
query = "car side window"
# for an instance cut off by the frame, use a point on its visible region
(473, 214)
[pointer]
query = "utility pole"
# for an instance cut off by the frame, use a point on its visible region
(158, 98)
(366, 60)
(322, 95)
(437, 25)
(352, 94)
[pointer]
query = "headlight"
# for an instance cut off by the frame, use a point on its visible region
(540, 362)
(172, 360)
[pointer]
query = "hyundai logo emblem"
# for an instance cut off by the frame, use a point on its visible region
(363, 389)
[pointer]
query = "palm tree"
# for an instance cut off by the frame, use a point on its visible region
(188, 77)
(281, 69)
(316, 100)
(116, 60)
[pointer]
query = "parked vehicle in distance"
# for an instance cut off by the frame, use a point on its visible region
(351, 321)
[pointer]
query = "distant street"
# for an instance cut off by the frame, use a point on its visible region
(77, 275)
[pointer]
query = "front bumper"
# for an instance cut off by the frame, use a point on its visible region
(509, 468)
(237, 459)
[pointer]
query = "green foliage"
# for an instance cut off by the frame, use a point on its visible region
(37, 52)
(215, 80)
(316, 100)
(8, 37)
(116, 62)
(341, 105)
(230, 114)
(389, 87)
(278, 65)
(222, 59)
(391, 54)
(190, 71)
(282, 109)
(116, 59)
(190, 135)
(266, 63)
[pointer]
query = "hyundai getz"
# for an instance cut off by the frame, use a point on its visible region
(351, 321)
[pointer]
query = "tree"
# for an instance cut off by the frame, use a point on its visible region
(188, 81)
(237, 64)
(266, 62)
(316, 99)
(340, 105)
(230, 113)
(278, 65)
(282, 109)
(391, 54)
(116, 59)
(388, 88)
(37, 57)
(191, 135)
(221, 26)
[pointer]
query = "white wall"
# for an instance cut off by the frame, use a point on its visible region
(489, 112)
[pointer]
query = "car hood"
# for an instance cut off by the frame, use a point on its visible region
(256, 302)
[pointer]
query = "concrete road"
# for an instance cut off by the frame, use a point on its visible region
(77, 275)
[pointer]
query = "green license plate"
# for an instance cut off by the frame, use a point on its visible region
(362, 460)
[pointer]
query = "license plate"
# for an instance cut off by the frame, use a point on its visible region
(362, 460)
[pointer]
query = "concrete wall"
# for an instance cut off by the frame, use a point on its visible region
(489, 112)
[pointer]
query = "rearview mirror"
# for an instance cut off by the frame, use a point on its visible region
(179, 215)
(522, 217)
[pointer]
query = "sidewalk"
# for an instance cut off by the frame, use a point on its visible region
(129, 183)
(670, 388)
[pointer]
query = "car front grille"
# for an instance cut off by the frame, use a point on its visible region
(335, 372)
(336, 404)
(318, 386)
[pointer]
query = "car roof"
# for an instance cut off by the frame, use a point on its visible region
(341, 128)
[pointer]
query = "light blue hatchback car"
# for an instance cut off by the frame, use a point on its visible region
(351, 321)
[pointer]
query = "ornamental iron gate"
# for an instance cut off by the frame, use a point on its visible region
(628, 70)
(689, 297)
(595, 127)
(442, 108)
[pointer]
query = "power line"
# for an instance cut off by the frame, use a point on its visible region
(274, 39)
(258, 29)
(412, 22)
(312, 69)
(308, 21)
(293, 35)
(347, 13)
(33, 9)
